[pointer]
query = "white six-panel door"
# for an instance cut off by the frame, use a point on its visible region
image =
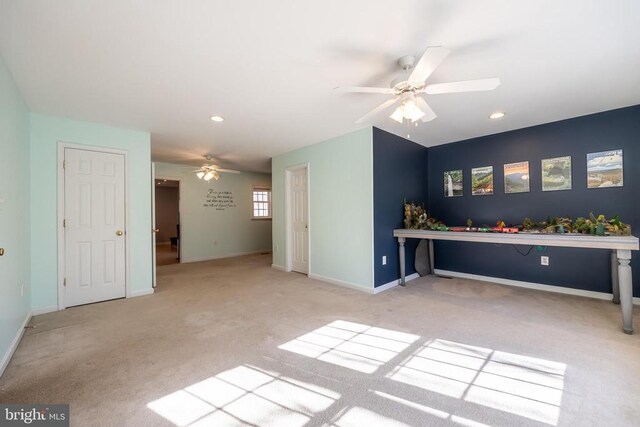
(299, 221)
(94, 217)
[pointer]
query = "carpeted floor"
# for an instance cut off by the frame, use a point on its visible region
(234, 342)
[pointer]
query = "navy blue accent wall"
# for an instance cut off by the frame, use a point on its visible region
(575, 268)
(399, 172)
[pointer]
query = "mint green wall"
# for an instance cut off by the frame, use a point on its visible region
(341, 207)
(46, 132)
(208, 233)
(14, 211)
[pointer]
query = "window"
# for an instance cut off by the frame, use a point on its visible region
(261, 203)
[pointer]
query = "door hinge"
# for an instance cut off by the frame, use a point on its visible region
(64, 164)
(64, 223)
(64, 282)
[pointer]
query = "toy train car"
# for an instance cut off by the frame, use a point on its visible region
(510, 230)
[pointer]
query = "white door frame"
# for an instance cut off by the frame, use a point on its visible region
(180, 242)
(61, 235)
(153, 226)
(288, 253)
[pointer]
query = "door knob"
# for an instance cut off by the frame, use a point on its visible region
(119, 233)
(1, 251)
(156, 230)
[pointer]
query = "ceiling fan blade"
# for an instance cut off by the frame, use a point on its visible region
(376, 110)
(228, 170)
(429, 114)
(354, 89)
(463, 86)
(430, 60)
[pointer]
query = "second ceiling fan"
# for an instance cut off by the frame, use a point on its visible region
(407, 91)
(210, 171)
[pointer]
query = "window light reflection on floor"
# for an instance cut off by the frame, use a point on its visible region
(466, 378)
(351, 345)
(245, 394)
(358, 417)
(431, 411)
(520, 385)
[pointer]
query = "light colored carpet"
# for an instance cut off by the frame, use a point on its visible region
(233, 342)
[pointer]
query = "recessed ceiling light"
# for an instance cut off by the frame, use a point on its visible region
(497, 115)
(217, 118)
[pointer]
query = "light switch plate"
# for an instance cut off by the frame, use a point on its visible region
(544, 260)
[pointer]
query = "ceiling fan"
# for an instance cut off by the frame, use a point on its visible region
(211, 171)
(407, 90)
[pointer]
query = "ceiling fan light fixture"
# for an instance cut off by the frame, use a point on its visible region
(412, 111)
(200, 174)
(215, 175)
(407, 110)
(208, 176)
(398, 115)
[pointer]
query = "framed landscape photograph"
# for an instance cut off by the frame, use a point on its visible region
(453, 183)
(516, 178)
(605, 169)
(482, 181)
(556, 173)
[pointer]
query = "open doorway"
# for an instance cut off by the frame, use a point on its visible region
(167, 221)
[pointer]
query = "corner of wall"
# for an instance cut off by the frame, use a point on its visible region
(340, 185)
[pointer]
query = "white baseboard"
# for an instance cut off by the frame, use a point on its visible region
(141, 293)
(44, 310)
(14, 344)
(531, 285)
(340, 283)
(278, 267)
(212, 258)
(394, 283)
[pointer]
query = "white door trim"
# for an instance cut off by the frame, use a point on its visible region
(153, 226)
(288, 254)
(181, 241)
(60, 196)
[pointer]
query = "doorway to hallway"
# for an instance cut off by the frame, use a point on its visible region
(167, 221)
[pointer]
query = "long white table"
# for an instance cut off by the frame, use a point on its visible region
(620, 246)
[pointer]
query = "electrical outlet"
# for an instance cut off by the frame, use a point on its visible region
(384, 260)
(544, 260)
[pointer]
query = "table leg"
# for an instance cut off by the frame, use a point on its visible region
(626, 289)
(615, 284)
(401, 254)
(431, 261)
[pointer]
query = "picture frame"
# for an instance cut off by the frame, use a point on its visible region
(605, 169)
(482, 181)
(556, 173)
(453, 185)
(516, 178)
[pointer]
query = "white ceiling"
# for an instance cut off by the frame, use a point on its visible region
(269, 67)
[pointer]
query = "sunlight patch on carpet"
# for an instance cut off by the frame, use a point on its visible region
(521, 385)
(245, 394)
(351, 345)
